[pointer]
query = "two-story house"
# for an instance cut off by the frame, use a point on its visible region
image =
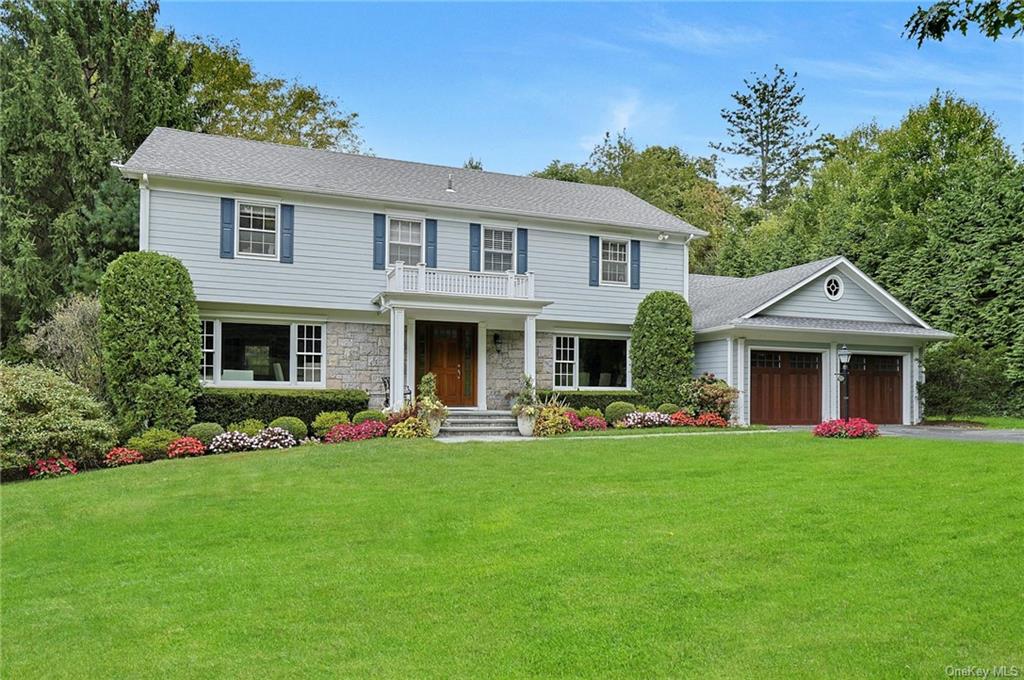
(322, 269)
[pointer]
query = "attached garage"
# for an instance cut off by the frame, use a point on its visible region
(876, 388)
(785, 387)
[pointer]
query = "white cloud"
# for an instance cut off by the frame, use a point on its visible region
(692, 37)
(629, 112)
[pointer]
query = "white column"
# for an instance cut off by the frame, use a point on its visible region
(410, 356)
(686, 268)
(530, 348)
(481, 366)
(397, 358)
(729, 361)
(834, 388)
(144, 212)
(741, 369)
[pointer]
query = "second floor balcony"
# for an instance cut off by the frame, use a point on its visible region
(422, 279)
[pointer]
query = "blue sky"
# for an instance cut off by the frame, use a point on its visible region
(518, 85)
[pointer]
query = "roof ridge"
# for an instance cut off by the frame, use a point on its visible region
(392, 160)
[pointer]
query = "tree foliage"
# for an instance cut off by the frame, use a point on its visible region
(69, 342)
(149, 328)
(666, 177)
(768, 128)
(82, 85)
(661, 350)
(991, 16)
(963, 378)
(230, 98)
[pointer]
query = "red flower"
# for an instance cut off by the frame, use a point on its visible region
(120, 455)
(185, 446)
(854, 428)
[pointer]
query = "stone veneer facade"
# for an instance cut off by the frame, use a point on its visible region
(504, 369)
(358, 356)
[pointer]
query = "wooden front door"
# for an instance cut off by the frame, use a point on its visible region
(448, 350)
(785, 388)
(876, 388)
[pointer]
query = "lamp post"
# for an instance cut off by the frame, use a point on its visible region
(844, 379)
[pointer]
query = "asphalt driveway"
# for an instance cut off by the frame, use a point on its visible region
(965, 434)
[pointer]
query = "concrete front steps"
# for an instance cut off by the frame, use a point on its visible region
(472, 424)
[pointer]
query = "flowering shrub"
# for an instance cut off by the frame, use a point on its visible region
(231, 441)
(683, 419)
(325, 420)
(594, 423)
(649, 419)
(185, 446)
(708, 394)
(296, 426)
(710, 420)
(368, 429)
(575, 422)
(309, 441)
(121, 455)
(410, 428)
(854, 428)
(586, 422)
(52, 467)
(273, 438)
(551, 420)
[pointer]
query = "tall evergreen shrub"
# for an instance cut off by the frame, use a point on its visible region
(662, 346)
(149, 327)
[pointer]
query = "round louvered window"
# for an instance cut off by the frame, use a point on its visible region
(833, 288)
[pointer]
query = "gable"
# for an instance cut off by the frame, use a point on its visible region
(810, 301)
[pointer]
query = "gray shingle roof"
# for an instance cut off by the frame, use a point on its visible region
(847, 325)
(717, 300)
(190, 155)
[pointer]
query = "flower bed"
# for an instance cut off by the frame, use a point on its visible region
(185, 447)
(854, 428)
(368, 429)
(122, 455)
(52, 467)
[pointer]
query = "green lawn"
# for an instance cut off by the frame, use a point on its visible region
(988, 422)
(611, 431)
(756, 555)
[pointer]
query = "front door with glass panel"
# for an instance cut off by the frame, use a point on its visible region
(448, 350)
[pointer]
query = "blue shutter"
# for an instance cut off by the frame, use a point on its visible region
(521, 251)
(431, 260)
(634, 264)
(378, 241)
(227, 227)
(287, 233)
(474, 247)
(595, 261)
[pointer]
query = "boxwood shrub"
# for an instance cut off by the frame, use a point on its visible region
(584, 398)
(617, 410)
(229, 405)
(662, 346)
(296, 427)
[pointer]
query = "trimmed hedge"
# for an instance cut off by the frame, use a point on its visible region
(226, 405)
(587, 399)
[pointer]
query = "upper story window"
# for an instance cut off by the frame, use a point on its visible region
(405, 240)
(833, 288)
(615, 262)
(498, 249)
(257, 230)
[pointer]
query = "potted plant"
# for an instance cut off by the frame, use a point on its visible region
(429, 407)
(525, 407)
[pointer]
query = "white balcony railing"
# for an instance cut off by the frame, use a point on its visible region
(423, 279)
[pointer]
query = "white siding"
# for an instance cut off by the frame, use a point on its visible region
(811, 302)
(711, 357)
(333, 267)
(561, 262)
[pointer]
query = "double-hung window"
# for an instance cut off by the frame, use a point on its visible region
(280, 353)
(257, 230)
(405, 240)
(615, 262)
(591, 363)
(499, 249)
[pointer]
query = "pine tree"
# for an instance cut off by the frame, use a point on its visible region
(768, 128)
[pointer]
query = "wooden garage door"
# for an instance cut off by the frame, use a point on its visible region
(876, 388)
(785, 388)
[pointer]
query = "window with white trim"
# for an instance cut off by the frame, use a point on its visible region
(309, 353)
(206, 368)
(282, 353)
(614, 262)
(591, 363)
(499, 249)
(405, 240)
(257, 230)
(565, 361)
(833, 288)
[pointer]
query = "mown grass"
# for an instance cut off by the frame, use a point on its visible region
(988, 422)
(761, 555)
(611, 431)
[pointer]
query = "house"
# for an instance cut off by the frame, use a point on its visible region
(320, 269)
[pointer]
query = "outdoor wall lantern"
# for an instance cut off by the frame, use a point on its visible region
(497, 343)
(844, 379)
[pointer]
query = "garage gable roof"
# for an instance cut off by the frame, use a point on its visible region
(721, 300)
